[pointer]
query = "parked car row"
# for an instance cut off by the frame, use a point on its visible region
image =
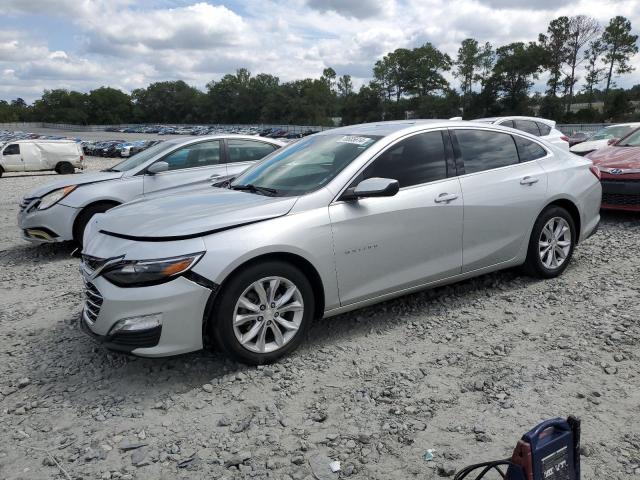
(602, 138)
(191, 243)
(116, 148)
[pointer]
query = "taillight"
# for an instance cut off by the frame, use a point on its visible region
(81, 158)
(566, 139)
(596, 171)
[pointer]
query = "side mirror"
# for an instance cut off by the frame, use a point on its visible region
(612, 141)
(373, 187)
(158, 167)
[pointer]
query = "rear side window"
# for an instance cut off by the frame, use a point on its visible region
(482, 150)
(544, 128)
(528, 150)
(508, 123)
(13, 149)
(248, 150)
(528, 126)
(415, 160)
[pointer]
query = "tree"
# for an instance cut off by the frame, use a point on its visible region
(556, 52)
(107, 105)
(516, 67)
(393, 73)
(468, 62)
(582, 30)
(424, 67)
(62, 106)
(594, 73)
(345, 86)
(168, 102)
(620, 46)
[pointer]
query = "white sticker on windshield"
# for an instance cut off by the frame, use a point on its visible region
(362, 141)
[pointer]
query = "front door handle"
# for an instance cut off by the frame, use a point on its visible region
(215, 175)
(445, 198)
(529, 181)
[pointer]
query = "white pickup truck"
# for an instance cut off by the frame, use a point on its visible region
(62, 156)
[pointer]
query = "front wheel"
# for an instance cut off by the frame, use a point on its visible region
(551, 243)
(263, 312)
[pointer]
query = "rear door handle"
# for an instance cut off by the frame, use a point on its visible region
(529, 181)
(445, 198)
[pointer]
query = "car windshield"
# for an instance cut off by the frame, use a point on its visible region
(617, 131)
(140, 158)
(305, 166)
(632, 140)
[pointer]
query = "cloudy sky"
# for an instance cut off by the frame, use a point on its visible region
(83, 44)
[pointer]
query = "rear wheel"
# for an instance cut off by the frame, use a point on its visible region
(65, 168)
(85, 217)
(263, 312)
(1, 171)
(551, 243)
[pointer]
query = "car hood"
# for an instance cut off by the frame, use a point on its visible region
(618, 157)
(188, 215)
(81, 179)
(589, 145)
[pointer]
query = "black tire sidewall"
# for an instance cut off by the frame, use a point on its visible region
(221, 320)
(65, 168)
(85, 217)
(534, 264)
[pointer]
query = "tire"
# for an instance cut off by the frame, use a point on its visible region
(551, 264)
(65, 168)
(85, 216)
(221, 324)
(1, 171)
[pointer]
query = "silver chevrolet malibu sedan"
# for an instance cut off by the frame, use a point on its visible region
(339, 220)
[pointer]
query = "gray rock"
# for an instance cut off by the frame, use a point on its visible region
(320, 467)
(139, 457)
(127, 445)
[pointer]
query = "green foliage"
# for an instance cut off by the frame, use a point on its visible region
(620, 45)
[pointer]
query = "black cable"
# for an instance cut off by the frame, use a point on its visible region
(487, 467)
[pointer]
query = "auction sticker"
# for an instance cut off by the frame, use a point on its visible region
(362, 141)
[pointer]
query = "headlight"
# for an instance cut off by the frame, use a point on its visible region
(54, 197)
(140, 273)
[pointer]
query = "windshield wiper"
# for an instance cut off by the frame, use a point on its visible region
(110, 170)
(255, 188)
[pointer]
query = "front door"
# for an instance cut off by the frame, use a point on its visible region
(12, 158)
(383, 245)
(190, 164)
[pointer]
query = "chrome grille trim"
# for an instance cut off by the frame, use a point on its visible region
(92, 303)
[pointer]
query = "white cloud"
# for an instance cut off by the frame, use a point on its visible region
(130, 43)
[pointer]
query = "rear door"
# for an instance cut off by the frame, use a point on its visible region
(12, 158)
(502, 195)
(242, 153)
(386, 244)
(190, 164)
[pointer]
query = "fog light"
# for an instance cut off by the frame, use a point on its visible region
(140, 322)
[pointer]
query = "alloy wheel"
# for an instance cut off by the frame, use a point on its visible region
(268, 314)
(554, 244)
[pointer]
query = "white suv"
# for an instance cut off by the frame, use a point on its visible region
(540, 127)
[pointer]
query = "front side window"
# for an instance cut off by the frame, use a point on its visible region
(306, 165)
(528, 126)
(193, 156)
(482, 150)
(415, 160)
(528, 150)
(248, 150)
(13, 149)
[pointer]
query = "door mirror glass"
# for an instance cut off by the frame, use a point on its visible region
(157, 168)
(376, 187)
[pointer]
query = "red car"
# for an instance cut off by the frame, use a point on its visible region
(619, 166)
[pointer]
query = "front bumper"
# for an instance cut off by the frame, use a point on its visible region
(55, 224)
(180, 304)
(621, 194)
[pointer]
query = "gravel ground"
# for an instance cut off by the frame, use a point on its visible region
(463, 370)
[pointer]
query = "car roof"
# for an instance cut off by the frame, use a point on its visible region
(551, 123)
(191, 138)
(42, 140)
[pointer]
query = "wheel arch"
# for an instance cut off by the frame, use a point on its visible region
(307, 268)
(573, 210)
(84, 208)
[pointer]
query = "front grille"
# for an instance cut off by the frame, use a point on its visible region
(92, 302)
(625, 199)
